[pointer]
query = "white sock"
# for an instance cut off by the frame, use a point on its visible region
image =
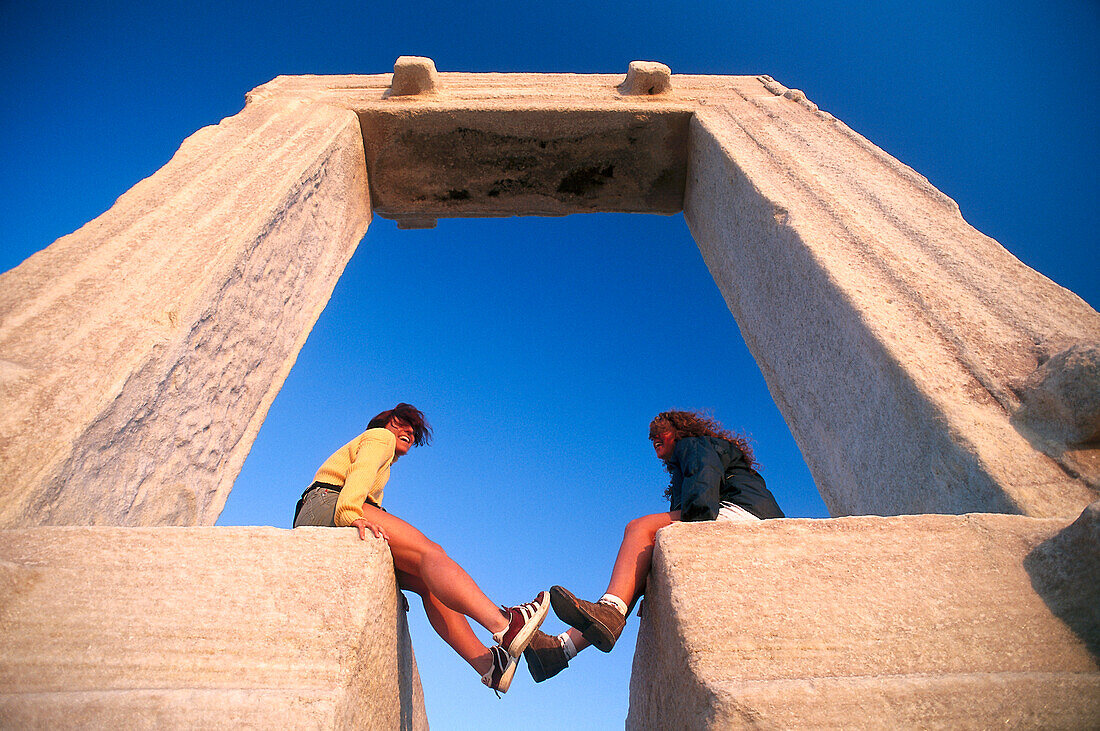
(615, 602)
(567, 645)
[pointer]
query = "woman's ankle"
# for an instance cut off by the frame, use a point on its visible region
(483, 662)
(506, 622)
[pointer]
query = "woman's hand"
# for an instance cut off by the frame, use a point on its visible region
(363, 524)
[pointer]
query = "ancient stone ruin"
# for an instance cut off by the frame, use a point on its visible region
(139, 356)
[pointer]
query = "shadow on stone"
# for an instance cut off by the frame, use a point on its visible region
(1065, 572)
(406, 667)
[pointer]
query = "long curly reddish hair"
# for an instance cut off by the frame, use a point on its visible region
(697, 424)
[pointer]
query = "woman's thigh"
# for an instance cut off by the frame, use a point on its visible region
(410, 582)
(649, 523)
(407, 544)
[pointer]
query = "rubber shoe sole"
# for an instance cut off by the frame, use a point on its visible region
(569, 610)
(507, 672)
(506, 678)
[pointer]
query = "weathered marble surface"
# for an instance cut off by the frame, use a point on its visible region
(974, 621)
(140, 354)
(900, 343)
(202, 628)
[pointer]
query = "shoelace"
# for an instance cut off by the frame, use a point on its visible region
(527, 609)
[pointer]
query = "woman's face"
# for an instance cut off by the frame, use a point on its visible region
(664, 442)
(404, 434)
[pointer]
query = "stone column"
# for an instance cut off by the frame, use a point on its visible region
(139, 355)
(920, 366)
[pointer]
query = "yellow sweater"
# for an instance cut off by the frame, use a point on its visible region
(362, 467)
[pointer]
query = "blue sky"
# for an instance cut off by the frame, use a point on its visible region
(541, 347)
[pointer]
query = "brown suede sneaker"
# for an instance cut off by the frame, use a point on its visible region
(545, 656)
(601, 624)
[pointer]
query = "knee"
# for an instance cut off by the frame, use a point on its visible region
(411, 557)
(640, 527)
(432, 553)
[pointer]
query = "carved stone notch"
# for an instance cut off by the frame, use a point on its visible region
(646, 77)
(414, 75)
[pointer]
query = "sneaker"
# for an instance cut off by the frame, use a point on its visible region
(600, 623)
(545, 656)
(525, 619)
(499, 677)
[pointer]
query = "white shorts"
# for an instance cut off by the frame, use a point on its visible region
(732, 513)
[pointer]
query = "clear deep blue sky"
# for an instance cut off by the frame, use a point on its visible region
(540, 348)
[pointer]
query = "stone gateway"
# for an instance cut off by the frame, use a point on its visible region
(139, 356)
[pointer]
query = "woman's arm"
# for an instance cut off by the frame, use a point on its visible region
(374, 453)
(700, 493)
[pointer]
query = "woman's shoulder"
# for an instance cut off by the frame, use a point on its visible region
(690, 445)
(378, 434)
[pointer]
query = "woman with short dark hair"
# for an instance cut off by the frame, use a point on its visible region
(347, 491)
(712, 477)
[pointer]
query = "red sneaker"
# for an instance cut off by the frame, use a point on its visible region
(525, 619)
(499, 677)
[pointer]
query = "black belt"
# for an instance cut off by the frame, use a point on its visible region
(323, 486)
(336, 488)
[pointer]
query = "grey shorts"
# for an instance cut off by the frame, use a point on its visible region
(317, 507)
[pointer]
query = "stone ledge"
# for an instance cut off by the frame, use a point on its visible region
(940, 621)
(978, 701)
(210, 627)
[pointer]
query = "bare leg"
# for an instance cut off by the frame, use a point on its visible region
(445, 580)
(452, 626)
(631, 569)
(579, 643)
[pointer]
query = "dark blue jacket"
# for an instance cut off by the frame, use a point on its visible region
(707, 471)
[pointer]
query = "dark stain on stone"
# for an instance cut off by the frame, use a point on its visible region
(585, 180)
(508, 186)
(519, 163)
(575, 161)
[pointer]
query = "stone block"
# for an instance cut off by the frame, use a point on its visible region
(452, 160)
(203, 628)
(1061, 399)
(973, 621)
(413, 75)
(646, 78)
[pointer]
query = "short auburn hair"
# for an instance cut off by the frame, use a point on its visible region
(407, 414)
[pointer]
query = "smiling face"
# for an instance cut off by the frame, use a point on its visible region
(664, 442)
(405, 437)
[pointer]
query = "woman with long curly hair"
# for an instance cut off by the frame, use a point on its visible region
(713, 477)
(347, 491)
